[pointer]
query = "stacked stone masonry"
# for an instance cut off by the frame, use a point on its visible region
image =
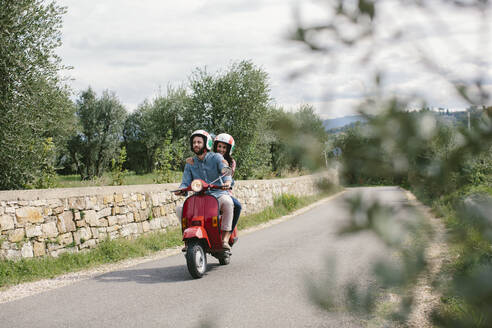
(35, 223)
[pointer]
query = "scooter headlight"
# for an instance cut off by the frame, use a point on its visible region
(196, 185)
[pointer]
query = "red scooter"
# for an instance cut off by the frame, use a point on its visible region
(200, 224)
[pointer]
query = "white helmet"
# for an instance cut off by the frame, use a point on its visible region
(207, 138)
(225, 138)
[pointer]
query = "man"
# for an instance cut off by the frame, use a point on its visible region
(207, 166)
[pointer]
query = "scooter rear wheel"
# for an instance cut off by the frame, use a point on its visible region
(196, 259)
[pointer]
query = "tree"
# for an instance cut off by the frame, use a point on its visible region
(47, 173)
(279, 125)
(133, 136)
(311, 137)
(234, 102)
(147, 128)
(297, 140)
(34, 101)
(101, 123)
(163, 159)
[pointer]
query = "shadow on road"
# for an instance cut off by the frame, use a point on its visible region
(170, 274)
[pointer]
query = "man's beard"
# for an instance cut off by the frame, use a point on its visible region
(200, 151)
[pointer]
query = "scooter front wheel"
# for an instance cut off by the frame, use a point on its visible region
(196, 259)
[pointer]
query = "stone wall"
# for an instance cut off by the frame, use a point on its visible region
(36, 223)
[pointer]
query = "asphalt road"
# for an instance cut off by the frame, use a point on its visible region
(264, 286)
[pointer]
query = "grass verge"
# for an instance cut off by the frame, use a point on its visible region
(465, 300)
(110, 251)
(129, 178)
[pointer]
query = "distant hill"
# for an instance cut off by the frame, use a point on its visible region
(339, 122)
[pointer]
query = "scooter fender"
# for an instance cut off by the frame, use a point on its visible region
(196, 232)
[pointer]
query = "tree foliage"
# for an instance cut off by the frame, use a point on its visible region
(34, 103)
(235, 102)
(297, 139)
(147, 128)
(101, 123)
(163, 160)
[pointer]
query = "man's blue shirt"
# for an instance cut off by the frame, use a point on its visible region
(208, 170)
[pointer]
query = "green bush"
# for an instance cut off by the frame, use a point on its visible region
(117, 172)
(288, 201)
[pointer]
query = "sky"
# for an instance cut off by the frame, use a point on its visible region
(139, 48)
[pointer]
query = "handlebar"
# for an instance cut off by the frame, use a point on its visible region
(199, 186)
(219, 187)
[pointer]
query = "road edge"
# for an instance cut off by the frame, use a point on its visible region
(427, 298)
